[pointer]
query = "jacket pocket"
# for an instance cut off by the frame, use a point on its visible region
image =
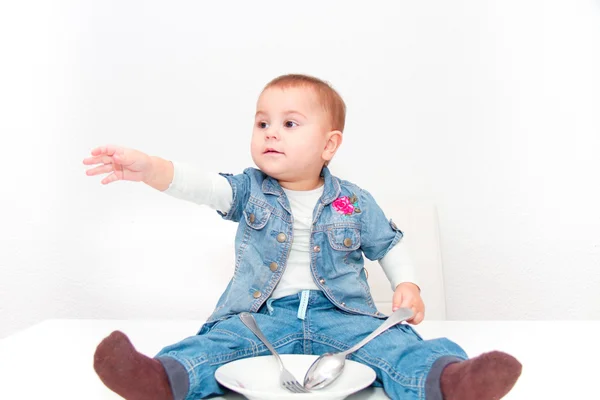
(344, 238)
(256, 216)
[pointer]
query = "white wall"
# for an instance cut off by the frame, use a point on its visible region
(490, 109)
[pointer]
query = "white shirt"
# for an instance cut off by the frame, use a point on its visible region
(297, 275)
(213, 190)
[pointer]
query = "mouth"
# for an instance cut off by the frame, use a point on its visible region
(271, 151)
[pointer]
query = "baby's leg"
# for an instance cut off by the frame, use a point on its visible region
(409, 367)
(186, 369)
(401, 359)
(438, 369)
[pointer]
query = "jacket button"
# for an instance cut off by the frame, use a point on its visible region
(281, 237)
(347, 242)
(257, 294)
(251, 218)
(343, 304)
(322, 281)
(273, 266)
(316, 249)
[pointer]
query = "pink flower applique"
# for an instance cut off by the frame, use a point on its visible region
(346, 205)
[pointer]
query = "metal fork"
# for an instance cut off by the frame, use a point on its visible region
(286, 379)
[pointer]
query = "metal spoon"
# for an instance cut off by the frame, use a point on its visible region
(329, 366)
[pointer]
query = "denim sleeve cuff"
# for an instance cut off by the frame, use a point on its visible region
(398, 235)
(228, 215)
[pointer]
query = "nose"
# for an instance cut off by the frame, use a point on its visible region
(271, 133)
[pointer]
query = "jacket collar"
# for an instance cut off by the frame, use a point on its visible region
(331, 189)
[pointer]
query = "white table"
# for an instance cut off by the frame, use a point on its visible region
(53, 359)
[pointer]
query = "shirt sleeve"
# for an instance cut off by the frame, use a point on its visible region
(378, 234)
(399, 266)
(200, 187)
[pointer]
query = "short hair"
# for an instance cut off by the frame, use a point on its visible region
(329, 98)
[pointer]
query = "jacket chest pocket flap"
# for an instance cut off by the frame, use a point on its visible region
(344, 238)
(256, 216)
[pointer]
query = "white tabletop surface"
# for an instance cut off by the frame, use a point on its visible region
(53, 359)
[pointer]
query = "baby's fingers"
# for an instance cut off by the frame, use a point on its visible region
(105, 150)
(102, 169)
(111, 178)
(105, 159)
(418, 318)
(97, 160)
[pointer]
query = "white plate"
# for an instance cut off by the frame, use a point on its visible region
(257, 378)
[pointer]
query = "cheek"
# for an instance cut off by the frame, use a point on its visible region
(254, 141)
(297, 145)
(304, 151)
(311, 145)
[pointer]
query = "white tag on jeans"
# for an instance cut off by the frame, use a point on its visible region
(303, 304)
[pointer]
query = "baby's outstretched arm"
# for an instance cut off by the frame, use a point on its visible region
(173, 178)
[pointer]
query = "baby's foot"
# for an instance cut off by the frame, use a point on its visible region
(487, 377)
(129, 373)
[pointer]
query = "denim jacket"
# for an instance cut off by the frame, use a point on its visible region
(347, 223)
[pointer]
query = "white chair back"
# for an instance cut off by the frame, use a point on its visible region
(418, 221)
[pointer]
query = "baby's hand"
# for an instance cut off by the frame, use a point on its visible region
(408, 295)
(123, 164)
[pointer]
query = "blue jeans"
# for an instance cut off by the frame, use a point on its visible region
(407, 366)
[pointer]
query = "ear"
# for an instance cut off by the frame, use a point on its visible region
(334, 141)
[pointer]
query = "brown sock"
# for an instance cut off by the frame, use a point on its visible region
(129, 373)
(487, 377)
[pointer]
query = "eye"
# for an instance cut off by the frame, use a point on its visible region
(262, 125)
(290, 124)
